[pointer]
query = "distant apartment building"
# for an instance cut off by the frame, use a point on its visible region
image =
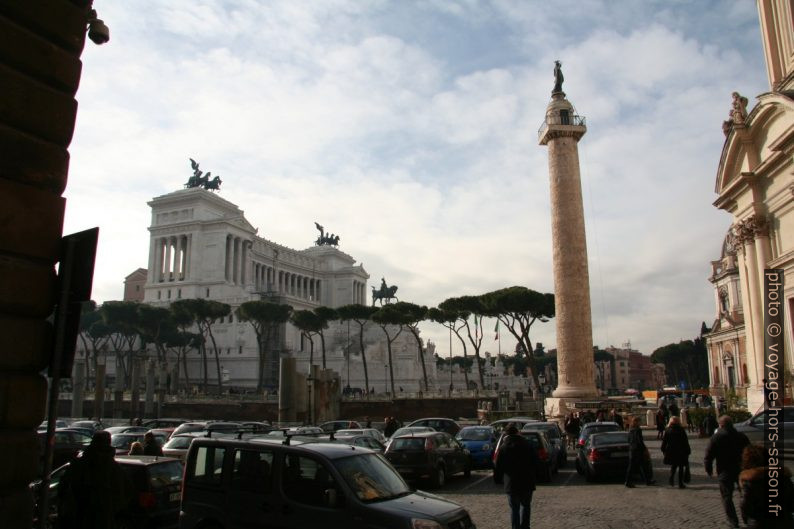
(133, 285)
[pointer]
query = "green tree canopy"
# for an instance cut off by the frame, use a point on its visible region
(413, 315)
(361, 314)
(466, 306)
(265, 317)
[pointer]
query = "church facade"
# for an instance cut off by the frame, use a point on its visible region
(755, 186)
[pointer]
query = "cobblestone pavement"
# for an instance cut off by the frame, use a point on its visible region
(569, 502)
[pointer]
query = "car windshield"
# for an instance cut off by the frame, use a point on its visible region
(610, 438)
(411, 429)
(371, 478)
(475, 434)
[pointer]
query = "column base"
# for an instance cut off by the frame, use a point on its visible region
(576, 392)
(557, 408)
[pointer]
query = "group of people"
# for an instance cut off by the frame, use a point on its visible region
(391, 426)
(738, 464)
(574, 422)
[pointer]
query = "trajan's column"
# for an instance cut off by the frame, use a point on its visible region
(561, 132)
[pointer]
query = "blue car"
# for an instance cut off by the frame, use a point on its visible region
(480, 441)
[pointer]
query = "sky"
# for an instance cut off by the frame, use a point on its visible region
(409, 128)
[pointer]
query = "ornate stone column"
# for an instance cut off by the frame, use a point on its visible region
(561, 132)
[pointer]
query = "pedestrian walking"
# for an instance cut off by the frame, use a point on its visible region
(150, 445)
(614, 416)
(710, 424)
(94, 489)
(639, 458)
(675, 447)
(572, 429)
(660, 422)
(756, 501)
(726, 447)
(516, 466)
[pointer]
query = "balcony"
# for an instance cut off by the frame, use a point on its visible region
(561, 122)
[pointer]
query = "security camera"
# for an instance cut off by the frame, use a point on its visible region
(98, 32)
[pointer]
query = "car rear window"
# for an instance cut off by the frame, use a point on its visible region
(611, 438)
(164, 474)
(550, 429)
(478, 434)
(179, 442)
(601, 428)
(408, 443)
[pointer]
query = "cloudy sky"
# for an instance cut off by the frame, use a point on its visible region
(410, 129)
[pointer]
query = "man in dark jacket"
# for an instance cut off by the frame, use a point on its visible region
(150, 445)
(726, 447)
(516, 466)
(94, 489)
(639, 458)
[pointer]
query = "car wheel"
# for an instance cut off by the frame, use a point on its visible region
(467, 470)
(547, 474)
(589, 476)
(439, 478)
(579, 467)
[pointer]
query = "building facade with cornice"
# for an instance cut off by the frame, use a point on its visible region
(755, 184)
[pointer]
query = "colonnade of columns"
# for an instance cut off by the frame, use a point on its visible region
(359, 292)
(298, 286)
(237, 250)
(172, 258)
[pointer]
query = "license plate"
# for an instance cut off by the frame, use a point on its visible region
(174, 496)
(620, 454)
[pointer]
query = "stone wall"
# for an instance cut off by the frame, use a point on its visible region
(41, 42)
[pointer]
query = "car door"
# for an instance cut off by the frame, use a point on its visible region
(446, 451)
(312, 495)
(252, 499)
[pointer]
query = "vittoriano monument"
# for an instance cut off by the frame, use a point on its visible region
(197, 180)
(561, 131)
(385, 294)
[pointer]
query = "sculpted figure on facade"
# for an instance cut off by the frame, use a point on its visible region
(324, 239)
(197, 180)
(737, 114)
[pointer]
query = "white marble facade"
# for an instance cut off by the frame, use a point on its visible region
(201, 246)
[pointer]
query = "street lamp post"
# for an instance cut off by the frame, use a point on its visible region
(541, 383)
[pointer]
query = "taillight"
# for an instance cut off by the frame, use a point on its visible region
(594, 455)
(147, 500)
(581, 442)
(542, 454)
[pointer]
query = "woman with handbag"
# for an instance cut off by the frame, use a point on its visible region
(676, 450)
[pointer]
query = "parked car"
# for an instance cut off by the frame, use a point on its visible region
(67, 444)
(93, 426)
(126, 429)
(606, 455)
(500, 425)
(433, 455)
(480, 441)
(122, 441)
(588, 430)
(753, 428)
(332, 426)
(238, 484)
(369, 432)
(256, 427)
(59, 423)
(439, 424)
(178, 445)
(556, 437)
(208, 426)
(365, 441)
(163, 423)
(544, 451)
(187, 427)
(155, 492)
(406, 430)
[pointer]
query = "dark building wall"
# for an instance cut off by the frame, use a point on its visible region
(40, 46)
(403, 409)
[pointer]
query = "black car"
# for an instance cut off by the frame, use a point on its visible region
(263, 482)
(588, 430)
(556, 437)
(433, 455)
(154, 495)
(547, 459)
(606, 455)
(67, 444)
